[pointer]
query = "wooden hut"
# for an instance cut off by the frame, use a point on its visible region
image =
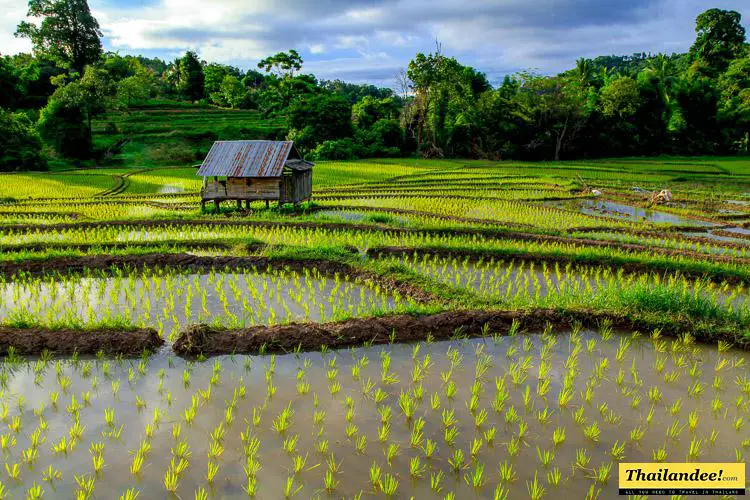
(255, 170)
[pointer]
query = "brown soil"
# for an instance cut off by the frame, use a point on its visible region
(730, 234)
(203, 339)
(33, 341)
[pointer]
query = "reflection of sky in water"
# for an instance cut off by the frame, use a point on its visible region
(352, 216)
(609, 208)
(616, 210)
(276, 463)
(172, 301)
(502, 279)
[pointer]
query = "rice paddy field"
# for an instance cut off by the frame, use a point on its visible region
(421, 329)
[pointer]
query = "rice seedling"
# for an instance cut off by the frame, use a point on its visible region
(535, 489)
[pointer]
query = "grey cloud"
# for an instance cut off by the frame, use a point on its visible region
(497, 37)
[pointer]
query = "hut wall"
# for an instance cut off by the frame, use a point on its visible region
(214, 190)
(296, 187)
(264, 188)
(237, 187)
(303, 185)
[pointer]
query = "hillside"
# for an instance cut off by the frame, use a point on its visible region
(170, 132)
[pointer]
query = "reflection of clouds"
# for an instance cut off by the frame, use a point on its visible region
(276, 463)
(148, 297)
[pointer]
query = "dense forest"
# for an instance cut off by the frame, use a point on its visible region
(645, 104)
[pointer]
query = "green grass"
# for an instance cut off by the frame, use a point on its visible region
(171, 133)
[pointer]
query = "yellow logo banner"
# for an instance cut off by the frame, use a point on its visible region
(682, 478)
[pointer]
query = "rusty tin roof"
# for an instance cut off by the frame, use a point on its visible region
(246, 159)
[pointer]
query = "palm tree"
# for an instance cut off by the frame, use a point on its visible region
(663, 69)
(583, 72)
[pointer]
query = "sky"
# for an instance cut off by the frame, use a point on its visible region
(371, 40)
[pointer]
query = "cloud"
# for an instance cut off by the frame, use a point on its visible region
(11, 13)
(369, 40)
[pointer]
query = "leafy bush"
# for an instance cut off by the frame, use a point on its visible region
(320, 117)
(342, 149)
(20, 144)
(201, 136)
(64, 126)
(172, 153)
(384, 139)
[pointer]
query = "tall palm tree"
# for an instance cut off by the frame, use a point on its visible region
(583, 72)
(663, 69)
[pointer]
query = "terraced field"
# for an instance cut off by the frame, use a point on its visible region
(422, 328)
(168, 132)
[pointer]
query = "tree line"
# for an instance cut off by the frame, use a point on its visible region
(644, 104)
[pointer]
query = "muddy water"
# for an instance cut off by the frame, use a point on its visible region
(624, 386)
(169, 302)
(622, 211)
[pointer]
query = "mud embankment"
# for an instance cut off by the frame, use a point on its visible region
(112, 342)
(207, 340)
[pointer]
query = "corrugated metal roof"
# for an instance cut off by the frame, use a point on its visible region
(246, 159)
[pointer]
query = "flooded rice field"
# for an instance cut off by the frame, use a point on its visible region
(169, 301)
(522, 283)
(352, 216)
(626, 212)
(549, 414)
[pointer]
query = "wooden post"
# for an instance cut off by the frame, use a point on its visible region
(239, 204)
(268, 205)
(216, 205)
(247, 204)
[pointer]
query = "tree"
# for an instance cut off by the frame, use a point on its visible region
(445, 92)
(619, 97)
(253, 79)
(36, 74)
(502, 118)
(20, 143)
(734, 110)
(319, 117)
(133, 90)
(282, 64)
(369, 110)
(720, 38)
(66, 120)
(68, 34)
(190, 77)
(119, 67)
(214, 74)
(584, 71)
(385, 138)
(233, 91)
(559, 107)
(11, 85)
(278, 93)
